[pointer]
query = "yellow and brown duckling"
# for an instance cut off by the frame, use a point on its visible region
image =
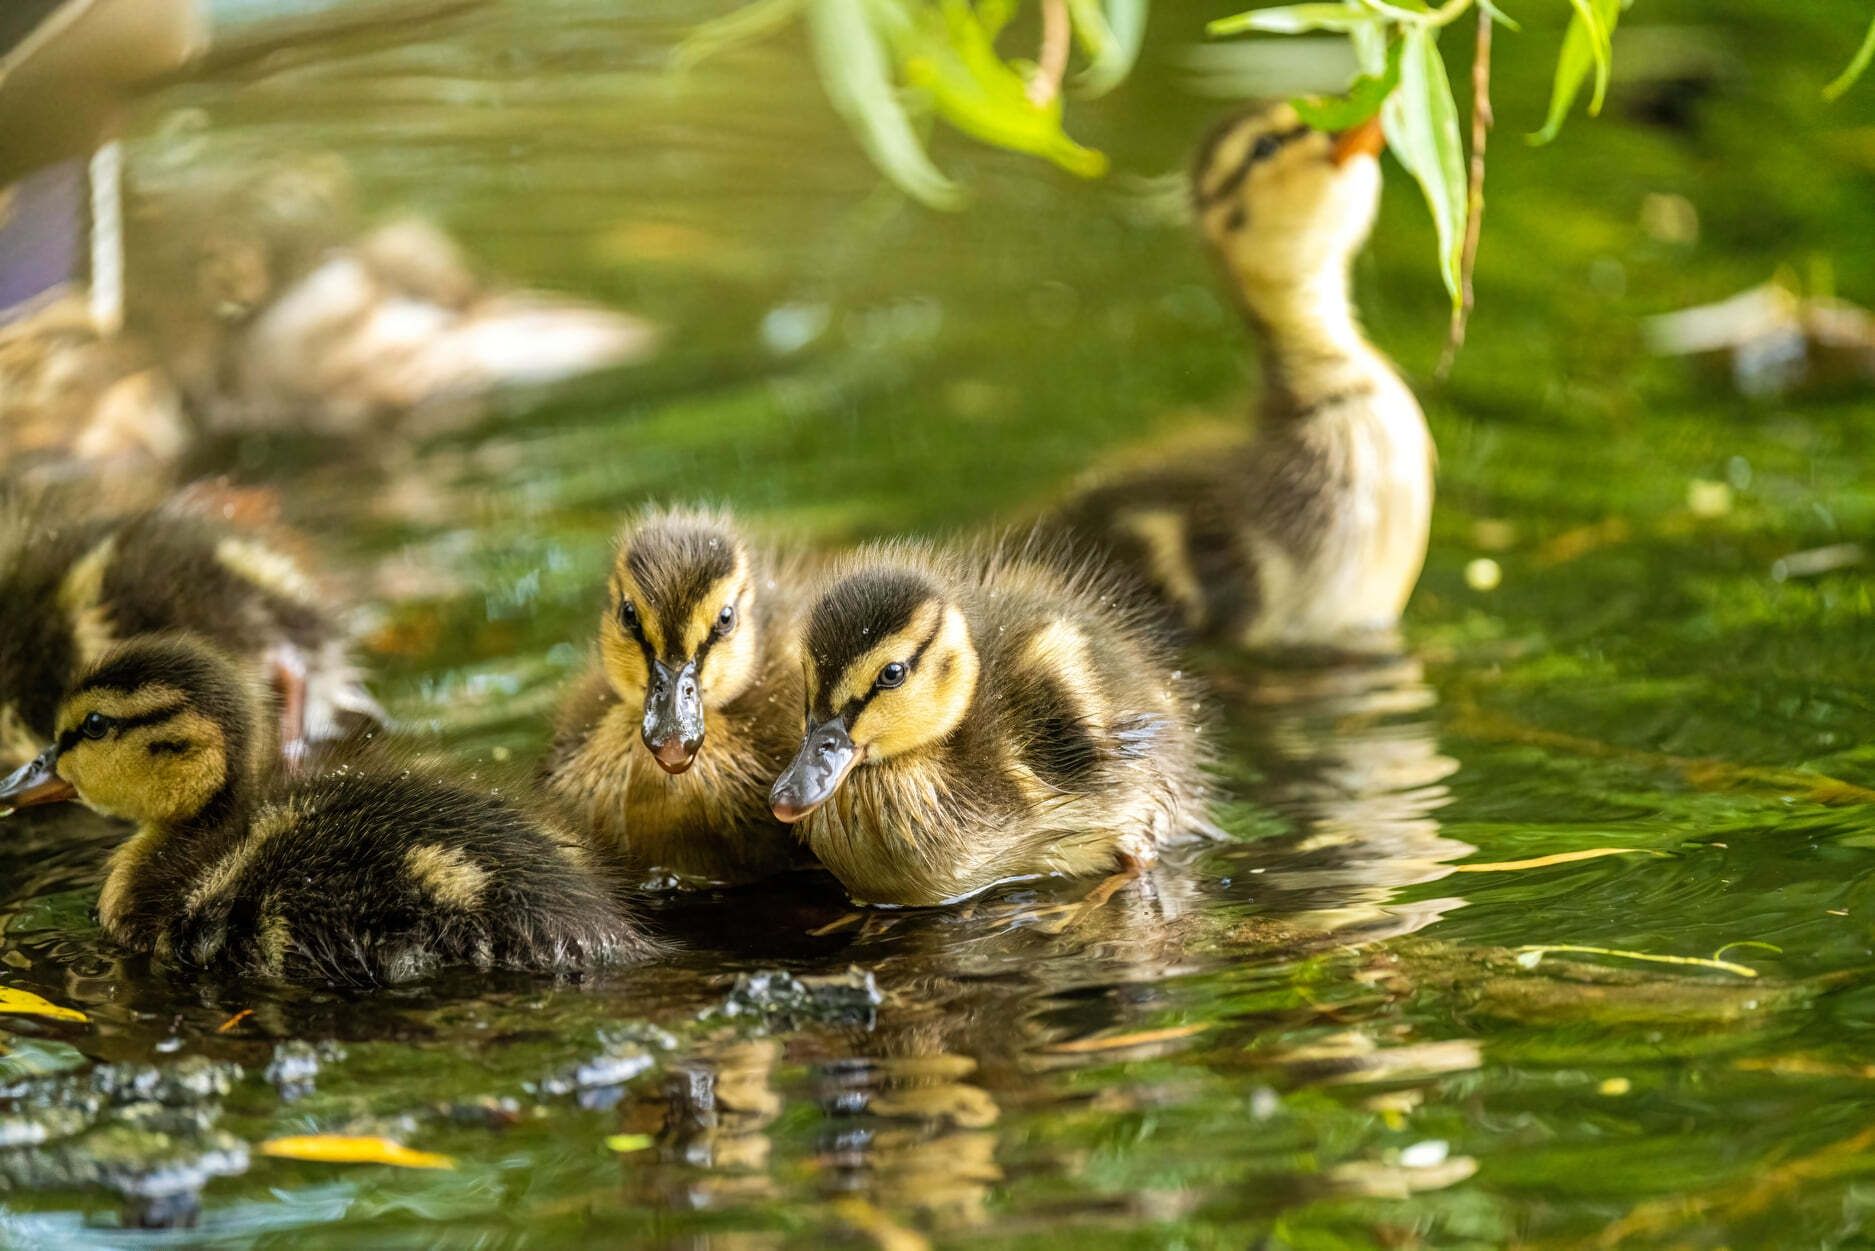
(1312, 534)
(977, 719)
(666, 749)
(75, 582)
(362, 876)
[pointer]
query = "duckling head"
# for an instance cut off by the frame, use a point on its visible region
(1281, 202)
(154, 733)
(679, 634)
(891, 669)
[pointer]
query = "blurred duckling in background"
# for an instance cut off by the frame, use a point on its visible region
(977, 719)
(358, 877)
(1312, 534)
(666, 749)
(76, 581)
(277, 307)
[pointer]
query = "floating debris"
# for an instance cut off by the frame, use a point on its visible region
(24, 1003)
(296, 1063)
(783, 1001)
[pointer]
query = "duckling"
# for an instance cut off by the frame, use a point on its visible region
(360, 876)
(75, 582)
(697, 636)
(975, 719)
(1313, 533)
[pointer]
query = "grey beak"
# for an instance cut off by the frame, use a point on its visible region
(827, 755)
(673, 726)
(35, 782)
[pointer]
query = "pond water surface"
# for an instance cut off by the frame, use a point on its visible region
(1344, 1027)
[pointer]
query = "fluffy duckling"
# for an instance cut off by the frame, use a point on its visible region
(973, 720)
(666, 749)
(75, 582)
(356, 877)
(1314, 533)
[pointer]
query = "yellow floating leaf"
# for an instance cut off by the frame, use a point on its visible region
(25, 1003)
(625, 1144)
(352, 1149)
(1561, 857)
(1116, 1042)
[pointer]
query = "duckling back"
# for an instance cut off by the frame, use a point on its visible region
(369, 878)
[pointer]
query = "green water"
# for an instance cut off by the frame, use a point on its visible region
(1326, 1035)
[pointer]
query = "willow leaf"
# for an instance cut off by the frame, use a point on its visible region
(1587, 45)
(1110, 33)
(1294, 19)
(1363, 99)
(1421, 123)
(1857, 65)
(856, 73)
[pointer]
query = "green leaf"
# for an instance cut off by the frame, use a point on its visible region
(1110, 34)
(1421, 123)
(1587, 44)
(1293, 19)
(1499, 16)
(856, 74)
(949, 56)
(21, 1058)
(1362, 101)
(1857, 65)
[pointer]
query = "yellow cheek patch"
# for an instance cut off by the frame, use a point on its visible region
(122, 776)
(859, 676)
(933, 701)
(447, 875)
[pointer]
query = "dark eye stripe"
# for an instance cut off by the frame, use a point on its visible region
(858, 704)
(156, 716)
(1251, 157)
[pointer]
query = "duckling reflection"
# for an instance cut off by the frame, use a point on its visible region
(1349, 755)
(712, 1115)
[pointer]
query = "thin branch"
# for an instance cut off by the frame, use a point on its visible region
(1481, 120)
(1051, 63)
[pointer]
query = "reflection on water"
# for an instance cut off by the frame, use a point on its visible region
(1300, 1037)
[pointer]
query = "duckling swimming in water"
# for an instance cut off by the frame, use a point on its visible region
(76, 581)
(360, 876)
(978, 719)
(666, 749)
(1314, 533)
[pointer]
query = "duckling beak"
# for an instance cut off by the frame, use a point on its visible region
(827, 755)
(673, 726)
(1366, 139)
(35, 782)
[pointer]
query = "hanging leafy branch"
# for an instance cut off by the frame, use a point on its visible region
(889, 66)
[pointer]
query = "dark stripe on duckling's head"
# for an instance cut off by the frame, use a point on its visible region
(858, 614)
(675, 574)
(1238, 144)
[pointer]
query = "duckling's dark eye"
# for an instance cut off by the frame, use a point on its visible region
(97, 725)
(892, 675)
(628, 615)
(726, 619)
(1266, 147)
